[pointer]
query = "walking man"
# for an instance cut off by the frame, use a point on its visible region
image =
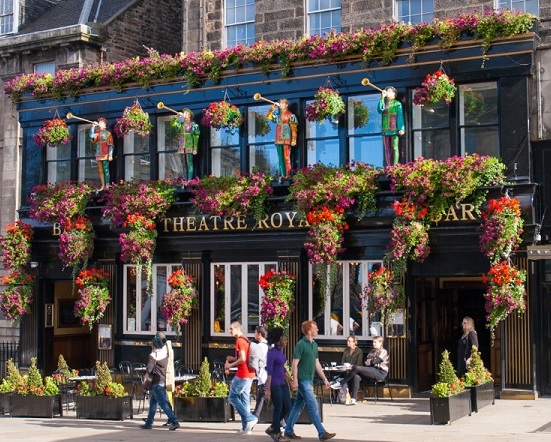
(260, 334)
(240, 389)
(305, 363)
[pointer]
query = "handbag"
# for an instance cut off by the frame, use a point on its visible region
(147, 381)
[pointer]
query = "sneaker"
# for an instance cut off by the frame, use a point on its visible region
(250, 425)
(327, 436)
(241, 431)
(174, 426)
(335, 385)
(352, 402)
(292, 436)
(166, 424)
(146, 427)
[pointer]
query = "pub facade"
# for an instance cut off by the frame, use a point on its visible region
(227, 255)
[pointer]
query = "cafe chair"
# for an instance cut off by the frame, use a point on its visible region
(218, 372)
(366, 384)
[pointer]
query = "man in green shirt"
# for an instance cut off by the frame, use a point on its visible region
(305, 364)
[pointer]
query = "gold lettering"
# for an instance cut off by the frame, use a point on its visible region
(263, 223)
(203, 224)
(190, 225)
(467, 212)
(228, 223)
(303, 223)
(291, 218)
(273, 220)
(241, 222)
(178, 224)
(56, 229)
(165, 222)
(451, 213)
(215, 219)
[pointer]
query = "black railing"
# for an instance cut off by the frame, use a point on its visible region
(8, 350)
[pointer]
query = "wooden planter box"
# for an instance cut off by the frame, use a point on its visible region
(482, 395)
(303, 418)
(204, 409)
(5, 403)
(444, 410)
(104, 407)
(36, 406)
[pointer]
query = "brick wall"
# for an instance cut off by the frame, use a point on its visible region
(152, 23)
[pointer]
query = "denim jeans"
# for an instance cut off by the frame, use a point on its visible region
(281, 400)
(305, 396)
(158, 397)
(239, 397)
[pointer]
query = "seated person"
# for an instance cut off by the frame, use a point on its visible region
(375, 368)
(354, 356)
(336, 327)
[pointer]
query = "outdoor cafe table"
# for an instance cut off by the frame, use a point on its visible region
(184, 378)
(335, 370)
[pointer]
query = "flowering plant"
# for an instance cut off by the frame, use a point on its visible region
(103, 384)
(32, 384)
(326, 234)
(335, 189)
(17, 297)
(505, 293)
(52, 132)
(133, 119)
(93, 295)
(76, 243)
(502, 227)
(382, 294)
(448, 383)
(16, 245)
(232, 195)
(435, 88)
(278, 299)
(177, 303)
(203, 385)
(222, 115)
(55, 203)
(328, 104)
(476, 373)
(138, 246)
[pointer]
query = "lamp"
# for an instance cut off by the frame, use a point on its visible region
(34, 264)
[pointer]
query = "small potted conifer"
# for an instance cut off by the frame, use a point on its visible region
(479, 382)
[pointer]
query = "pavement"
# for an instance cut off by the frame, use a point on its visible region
(399, 420)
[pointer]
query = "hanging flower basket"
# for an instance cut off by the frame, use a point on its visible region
(133, 119)
(382, 295)
(506, 293)
(222, 115)
(76, 243)
(437, 87)
(278, 300)
(52, 133)
(93, 292)
(178, 303)
(16, 245)
(328, 104)
(17, 298)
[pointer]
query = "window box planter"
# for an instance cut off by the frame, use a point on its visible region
(444, 410)
(482, 395)
(104, 407)
(36, 406)
(204, 409)
(303, 417)
(5, 403)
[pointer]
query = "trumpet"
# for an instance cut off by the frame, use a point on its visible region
(161, 105)
(257, 97)
(70, 115)
(366, 82)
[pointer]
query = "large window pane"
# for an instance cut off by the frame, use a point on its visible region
(431, 134)
(483, 141)
(364, 130)
(324, 16)
(415, 11)
(322, 143)
(239, 22)
(225, 152)
(170, 163)
(531, 6)
(137, 159)
(261, 139)
(58, 161)
(86, 156)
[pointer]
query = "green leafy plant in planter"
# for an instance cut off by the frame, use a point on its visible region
(63, 372)
(104, 385)
(478, 380)
(448, 383)
(12, 379)
(203, 385)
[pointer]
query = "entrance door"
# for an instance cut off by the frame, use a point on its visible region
(439, 315)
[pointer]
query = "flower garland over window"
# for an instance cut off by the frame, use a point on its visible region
(278, 300)
(93, 292)
(179, 302)
(52, 133)
(232, 195)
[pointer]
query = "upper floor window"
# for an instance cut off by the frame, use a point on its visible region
(365, 143)
(239, 22)
(58, 163)
(323, 16)
(414, 11)
(261, 141)
(8, 16)
(531, 6)
(225, 152)
(431, 131)
(47, 67)
(322, 142)
(235, 295)
(334, 301)
(136, 156)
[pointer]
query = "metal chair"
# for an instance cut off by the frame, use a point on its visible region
(365, 384)
(219, 372)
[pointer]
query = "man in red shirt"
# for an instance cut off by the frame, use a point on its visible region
(240, 389)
